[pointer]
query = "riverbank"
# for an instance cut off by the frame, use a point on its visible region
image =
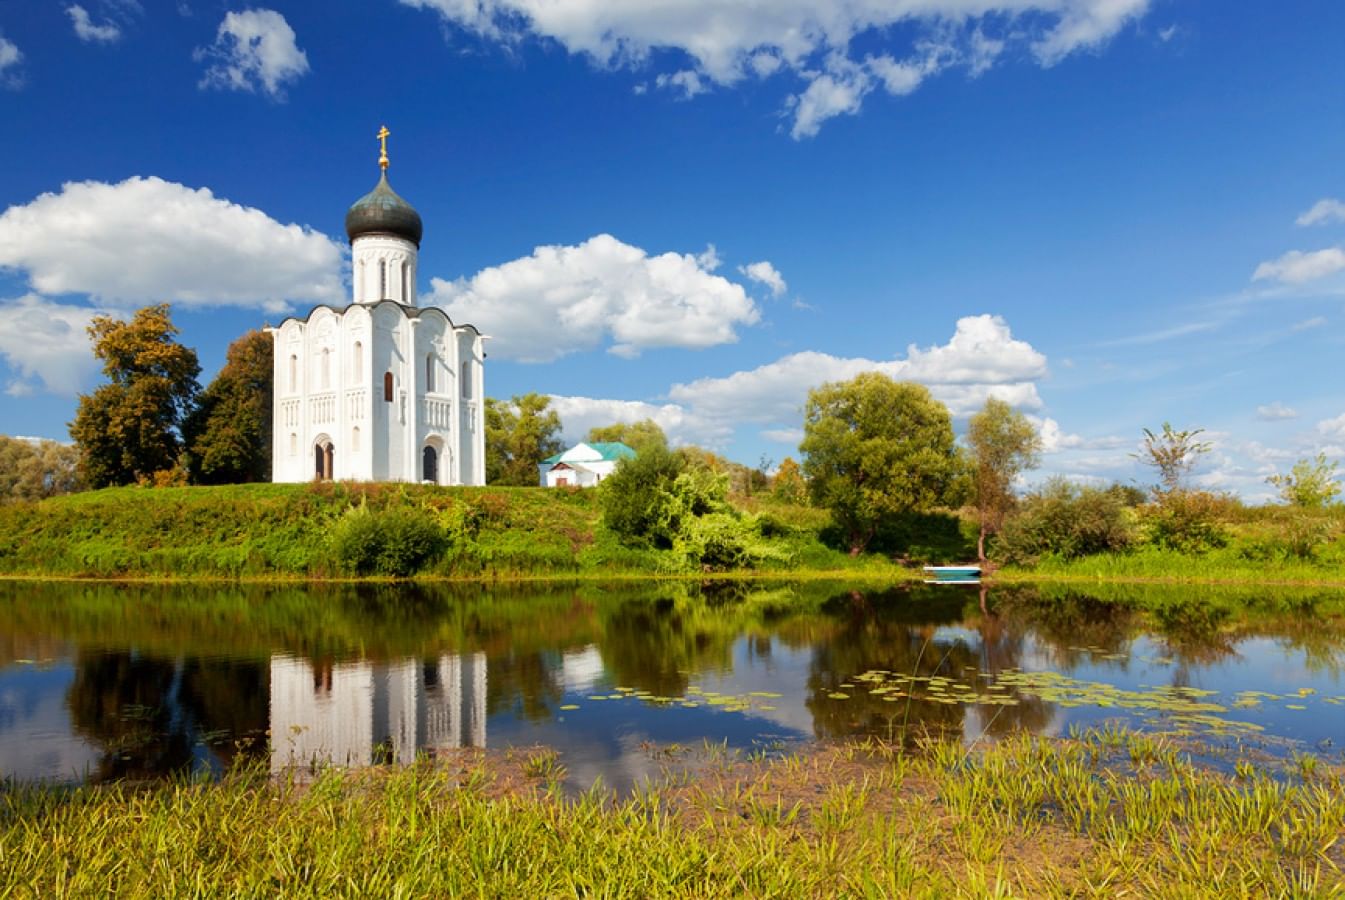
(1107, 813)
(371, 532)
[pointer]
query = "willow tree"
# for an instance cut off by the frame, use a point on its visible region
(1004, 444)
(877, 449)
(129, 429)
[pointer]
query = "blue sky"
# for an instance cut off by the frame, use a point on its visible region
(1110, 212)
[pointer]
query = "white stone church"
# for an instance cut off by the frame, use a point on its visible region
(381, 389)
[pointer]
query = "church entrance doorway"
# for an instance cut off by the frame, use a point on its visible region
(323, 461)
(430, 465)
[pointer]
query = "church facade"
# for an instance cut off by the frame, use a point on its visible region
(381, 389)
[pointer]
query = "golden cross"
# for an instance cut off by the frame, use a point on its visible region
(383, 142)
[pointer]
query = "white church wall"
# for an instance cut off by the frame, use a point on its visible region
(384, 268)
(389, 418)
(471, 418)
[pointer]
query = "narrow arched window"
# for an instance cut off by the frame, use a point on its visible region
(357, 365)
(429, 373)
(294, 373)
(355, 439)
(406, 284)
(387, 387)
(382, 279)
(326, 368)
(294, 443)
(467, 380)
(429, 465)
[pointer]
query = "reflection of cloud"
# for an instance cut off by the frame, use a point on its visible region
(37, 740)
(580, 670)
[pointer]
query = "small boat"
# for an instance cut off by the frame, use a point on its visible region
(953, 574)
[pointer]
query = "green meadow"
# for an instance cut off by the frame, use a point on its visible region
(336, 531)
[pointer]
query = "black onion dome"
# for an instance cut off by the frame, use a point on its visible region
(381, 211)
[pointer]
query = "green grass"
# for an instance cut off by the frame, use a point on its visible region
(279, 532)
(1104, 814)
(1227, 564)
(270, 531)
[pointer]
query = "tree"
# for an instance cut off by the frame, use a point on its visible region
(788, 485)
(875, 449)
(128, 429)
(1310, 484)
(34, 470)
(639, 436)
(1174, 454)
(519, 435)
(1003, 445)
(228, 435)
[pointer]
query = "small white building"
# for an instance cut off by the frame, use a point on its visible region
(583, 465)
(380, 389)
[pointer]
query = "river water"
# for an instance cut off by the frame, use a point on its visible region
(105, 681)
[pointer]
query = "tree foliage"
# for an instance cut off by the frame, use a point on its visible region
(1173, 454)
(1310, 484)
(875, 449)
(228, 435)
(33, 470)
(788, 485)
(1066, 520)
(128, 429)
(639, 436)
(519, 435)
(1003, 445)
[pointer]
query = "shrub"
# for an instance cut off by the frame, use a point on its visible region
(398, 542)
(637, 499)
(1185, 521)
(1066, 520)
(715, 542)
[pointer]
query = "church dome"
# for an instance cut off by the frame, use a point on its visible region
(381, 211)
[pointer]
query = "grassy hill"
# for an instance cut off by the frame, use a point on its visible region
(308, 531)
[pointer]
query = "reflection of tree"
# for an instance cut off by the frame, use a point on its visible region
(147, 713)
(895, 631)
(524, 683)
(654, 645)
(126, 703)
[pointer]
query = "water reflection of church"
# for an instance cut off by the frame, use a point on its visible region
(351, 714)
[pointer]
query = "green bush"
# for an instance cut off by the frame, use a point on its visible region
(637, 500)
(397, 541)
(1185, 521)
(1068, 521)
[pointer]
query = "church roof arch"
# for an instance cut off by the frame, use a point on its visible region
(410, 312)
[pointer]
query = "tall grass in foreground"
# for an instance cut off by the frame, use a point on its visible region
(1106, 814)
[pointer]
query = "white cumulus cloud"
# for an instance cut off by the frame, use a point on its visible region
(765, 273)
(1326, 211)
(1333, 428)
(1297, 267)
(147, 240)
(253, 49)
(579, 414)
(563, 299)
(808, 41)
(87, 31)
(981, 360)
(10, 58)
(46, 345)
(1274, 412)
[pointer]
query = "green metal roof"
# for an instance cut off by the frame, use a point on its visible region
(611, 451)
